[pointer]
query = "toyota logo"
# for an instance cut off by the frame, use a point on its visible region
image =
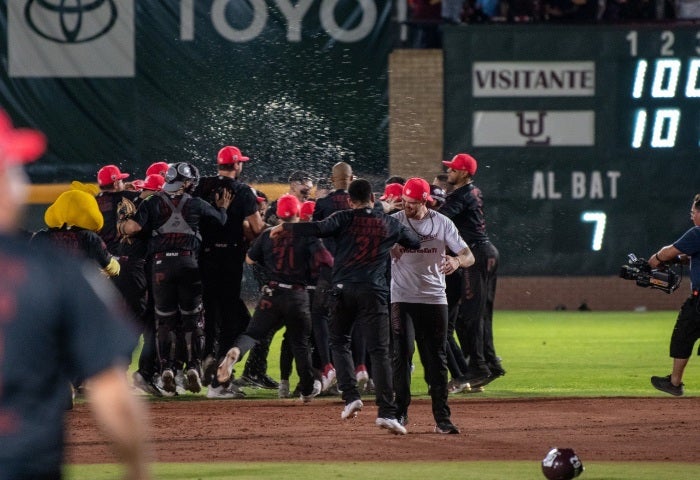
(79, 20)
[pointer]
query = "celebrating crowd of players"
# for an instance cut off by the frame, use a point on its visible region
(354, 281)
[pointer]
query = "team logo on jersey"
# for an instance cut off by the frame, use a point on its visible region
(71, 38)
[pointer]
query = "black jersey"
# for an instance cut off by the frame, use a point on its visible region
(363, 238)
(288, 258)
(60, 320)
(109, 204)
(465, 207)
(243, 204)
(333, 202)
(154, 214)
(77, 242)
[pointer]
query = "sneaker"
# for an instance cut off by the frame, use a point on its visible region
(142, 384)
(456, 385)
(351, 409)
(362, 377)
(235, 389)
(283, 389)
(223, 372)
(391, 424)
(314, 392)
(477, 376)
(194, 384)
(496, 370)
(261, 381)
(208, 370)
(222, 392)
(168, 380)
(328, 378)
(446, 428)
(480, 383)
(180, 381)
(664, 384)
(403, 420)
(471, 389)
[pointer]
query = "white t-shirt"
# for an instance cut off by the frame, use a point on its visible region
(416, 277)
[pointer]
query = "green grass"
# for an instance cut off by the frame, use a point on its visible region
(521, 470)
(576, 354)
(579, 354)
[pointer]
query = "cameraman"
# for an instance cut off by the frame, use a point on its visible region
(687, 328)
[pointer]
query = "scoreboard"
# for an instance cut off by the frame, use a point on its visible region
(587, 137)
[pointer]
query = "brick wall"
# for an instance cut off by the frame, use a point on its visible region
(415, 149)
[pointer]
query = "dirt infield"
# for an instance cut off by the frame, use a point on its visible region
(612, 429)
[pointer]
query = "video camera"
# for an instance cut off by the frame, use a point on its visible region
(662, 278)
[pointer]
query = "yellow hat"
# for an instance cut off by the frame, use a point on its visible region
(75, 208)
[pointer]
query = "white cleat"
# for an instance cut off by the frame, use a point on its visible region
(392, 425)
(351, 409)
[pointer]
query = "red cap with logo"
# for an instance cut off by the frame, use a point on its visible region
(307, 210)
(109, 174)
(153, 182)
(288, 206)
(19, 145)
(462, 161)
(229, 155)
(394, 190)
(417, 189)
(158, 168)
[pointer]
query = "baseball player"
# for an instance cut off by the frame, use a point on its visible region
(222, 256)
(172, 217)
(285, 301)
(465, 207)
(363, 237)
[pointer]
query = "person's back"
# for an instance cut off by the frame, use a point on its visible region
(52, 331)
(69, 334)
(363, 237)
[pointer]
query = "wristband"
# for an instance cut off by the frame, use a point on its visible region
(657, 257)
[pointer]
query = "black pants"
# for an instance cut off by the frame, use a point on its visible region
(360, 306)
(425, 325)
(222, 273)
(177, 293)
(288, 308)
(474, 325)
(133, 282)
(320, 317)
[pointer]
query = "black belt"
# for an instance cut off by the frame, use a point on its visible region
(286, 286)
(181, 253)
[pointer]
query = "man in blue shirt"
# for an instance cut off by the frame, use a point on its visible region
(687, 328)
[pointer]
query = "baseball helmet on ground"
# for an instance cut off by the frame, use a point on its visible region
(561, 464)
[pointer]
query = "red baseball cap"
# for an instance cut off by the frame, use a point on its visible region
(229, 155)
(307, 210)
(153, 182)
(288, 206)
(392, 190)
(462, 161)
(417, 189)
(157, 168)
(19, 145)
(109, 174)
